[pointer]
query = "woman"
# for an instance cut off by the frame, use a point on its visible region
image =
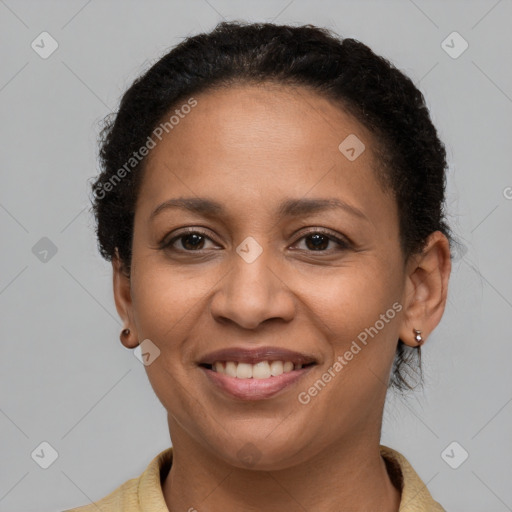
(271, 200)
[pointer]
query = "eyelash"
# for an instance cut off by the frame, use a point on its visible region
(168, 245)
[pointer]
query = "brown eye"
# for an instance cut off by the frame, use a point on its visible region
(319, 241)
(192, 241)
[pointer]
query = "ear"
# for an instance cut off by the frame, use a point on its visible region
(123, 300)
(426, 288)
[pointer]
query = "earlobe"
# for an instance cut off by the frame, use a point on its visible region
(123, 301)
(127, 339)
(426, 290)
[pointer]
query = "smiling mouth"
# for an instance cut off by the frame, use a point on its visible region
(260, 370)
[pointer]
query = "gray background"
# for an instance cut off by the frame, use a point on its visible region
(66, 378)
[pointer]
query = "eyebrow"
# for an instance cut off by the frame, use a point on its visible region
(288, 208)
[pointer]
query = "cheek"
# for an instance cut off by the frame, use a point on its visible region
(351, 298)
(358, 315)
(163, 298)
(357, 310)
(165, 303)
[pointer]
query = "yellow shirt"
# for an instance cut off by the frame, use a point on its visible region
(144, 493)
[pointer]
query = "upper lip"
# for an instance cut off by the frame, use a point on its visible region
(254, 355)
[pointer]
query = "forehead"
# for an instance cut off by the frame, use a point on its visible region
(270, 115)
(258, 142)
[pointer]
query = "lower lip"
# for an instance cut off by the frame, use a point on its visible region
(254, 389)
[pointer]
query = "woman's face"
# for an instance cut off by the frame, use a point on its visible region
(267, 271)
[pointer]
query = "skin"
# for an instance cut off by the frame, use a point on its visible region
(251, 147)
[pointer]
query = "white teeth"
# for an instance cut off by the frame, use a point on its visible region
(231, 368)
(244, 371)
(260, 370)
(219, 367)
(276, 368)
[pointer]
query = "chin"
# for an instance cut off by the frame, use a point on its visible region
(262, 454)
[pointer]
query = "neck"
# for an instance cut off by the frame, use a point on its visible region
(353, 474)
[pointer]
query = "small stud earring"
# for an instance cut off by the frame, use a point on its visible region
(418, 337)
(125, 332)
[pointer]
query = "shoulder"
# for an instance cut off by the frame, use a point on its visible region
(140, 493)
(123, 498)
(415, 494)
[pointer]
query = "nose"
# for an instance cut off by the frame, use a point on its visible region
(252, 293)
